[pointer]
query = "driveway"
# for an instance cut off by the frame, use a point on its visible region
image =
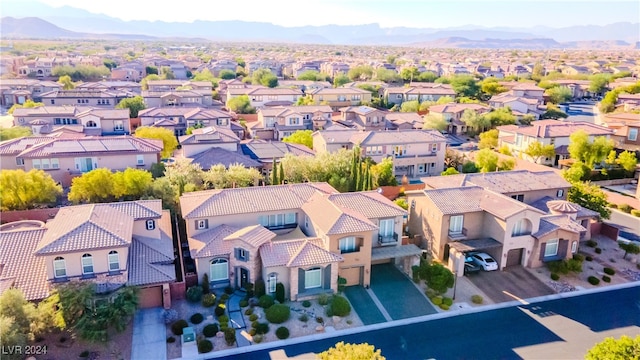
(149, 335)
(511, 284)
(397, 293)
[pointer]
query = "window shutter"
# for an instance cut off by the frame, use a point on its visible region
(327, 277)
(206, 223)
(563, 245)
(246, 255)
(542, 249)
(300, 280)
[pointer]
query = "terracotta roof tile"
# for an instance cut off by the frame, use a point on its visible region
(210, 243)
(19, 267)
(255, 235)
(334, 219)
(368, 203)
(293, 253)
(151, 260)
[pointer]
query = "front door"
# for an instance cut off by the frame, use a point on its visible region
(242, 278)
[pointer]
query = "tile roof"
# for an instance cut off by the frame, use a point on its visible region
(151, 260)
(556, 128)
(456, 200)
(140, 209)
(16, 146)
(457, 108)
(368, 203)
(254, 235)
(502, 181)
(410, 136)
(210, 134)
(50, 111)
(210, 243)
(93, 145)
(335, 219)
(110, 114)
(19, 267)
(248, 200)
(340, 136)
(551, 223)
(214, 156)
(294, 253)
(268, 150)
(543, 204)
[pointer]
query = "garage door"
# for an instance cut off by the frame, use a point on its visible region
(352, 275)
(150, 297)
(514, 257)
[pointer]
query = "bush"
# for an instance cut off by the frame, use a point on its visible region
(230, 336)
(252, 332)
(319, 319)
(262, 328)
(208, 300)
(196, 318)
(328, 311)
(606, 279)
(278, 313)
(280, 292)
(625, 207)
(282, 332)
(589, 258)
(340, 306)
(219, 311)
(248, 288)
(593, 280)
(248, 312)
(477, 299)
(609, 271)
(206, 286)
(224, 319)
(574, 265)
(257, 338)
(342, 283)
(578, 257)
(430, 293)
(254, 324)
(447, 301)
(171, 340)
(253, 317)
(306, 303)
(323, 299)
(303, 318)
(210, 330)
(259, 288)
(444, 306)
(194, 294)
(265, 301)
(555, 276)
(170, 316)
(635, 213)
(415, 273)
(176, 327)
(244, 303)
(598, 251)
(228, 290)
(591, 243)
(224, 297)
(436, 300)
(204, 346)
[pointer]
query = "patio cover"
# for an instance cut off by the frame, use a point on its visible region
(389, 252)
(473, 245)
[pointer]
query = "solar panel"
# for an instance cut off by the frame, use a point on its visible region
(119, 145)
(92, 145)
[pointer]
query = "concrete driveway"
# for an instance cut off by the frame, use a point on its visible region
(149, 335)
(511, 284)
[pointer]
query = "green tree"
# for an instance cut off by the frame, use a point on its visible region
(435, 122)
(18, 320)
(264, 77)
(410, 106)
(65, 81)
(361, 73)
(275, 180)
(382, 173)
(598, 83)
(439, 278)
(342, 351)
(445, 100)
(487, 160)
(169, 140)
(537, 150)
(206, 75)
(82, 72)
(302, 137)
(586, 151)
(94, 186)
(488, 139)
(240, 176)
(527, 119)
(240, 105)
(14, 132)
(27, 105)
(426, 76)
(475, 121)
(227, 74)
(311, 75)
(144, 83)
(538, 71)
(109, 64)
(21, 190)
(553, 112)
(305, 100)
(629, 248)
(491, 86)
(628, 161)
(409, 74)
(340, 79)
(387, 76)
(151, 70)
(469, 167)
(465, 85)
(131, 184)
(167, 73)
(589, 196)
(559, 94)
(134, 104)
(183, 173)
(625, 348)
(162, 189)
(501, 116)
(449, 171)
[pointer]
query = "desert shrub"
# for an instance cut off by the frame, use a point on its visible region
(171, 340)
(436, 300)
(262, 328)
(170, 316)
(282, 332)
(328, 311)
(196, 318)
(578, 257)
(230, 336)
(278, 313)
(306, 303)
(206, 286)
(574, 265)
(252, 332)
(210, 330)
(257, 338)
(228, 290)
(223, 319)
(204, 346)
(477, 299)
(609, 271)
(342, 283)
(319, 319)
(260, 288)
(265, 301)
(85, 354)
(323, 299)
(447, 301)
(593, 280)
(635, 213)
(253, 317)
(225, 297)
(280, 292)
(176, 327)
(254, 324)
(340, 306)
(555, 276)
(625, 207)
(591, 243)
(415, 273)
(444, 306)
(303, 318)
(244, 303)
(430, 293)
(558, 267)
(588, 258)
(249, 289)
(249, 311)
(606, 279)
(208, 300)
(219, 311)
(194, 294)
(598, 251)
(613, 206)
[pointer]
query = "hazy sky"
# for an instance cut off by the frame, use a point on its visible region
(411, 13)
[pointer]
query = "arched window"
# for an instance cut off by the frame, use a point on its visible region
(87, 264)
(91, 124)
(522, 227)
(219, 269)
(59, 267)
(574, 247)
(271, 282)
(114, 261)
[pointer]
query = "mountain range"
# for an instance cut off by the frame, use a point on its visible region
(31, 19)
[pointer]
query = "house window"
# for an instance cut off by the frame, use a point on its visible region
(114, 261)
(387, 227)
(522, 227)
(118, 125)
(455, 224)
(398, 96)
(87, 264)
(574, 247)
(36, 164)
(294, 121)
(633, 134)
(434, 147)
(139, 159)
(46, 164)
(151, 224)
(241, 254)
(519, 197)
(277, 220)
(374, 150)
(53, 101)
(313, 278)
(306, 222)
(55, 164)
(551, 249)
(219, 270)
(560, 193)
(20, 161)
(202, 224)
(348, 245)
(59, 267)
(273, 280)
(91, 124)
(399, 150)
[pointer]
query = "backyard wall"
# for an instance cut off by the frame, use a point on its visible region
(34, 214)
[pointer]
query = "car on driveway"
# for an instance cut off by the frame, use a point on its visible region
(485, 261)
(470, 266)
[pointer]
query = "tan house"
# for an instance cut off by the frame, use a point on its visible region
(404, 121)
(424, 92)
(279, 122)
(306, 239)
(17, 91)
(340, 97)
(88, 120)
(260, 97)
(626, 127)
(111, 245)
(452, 113)
(363, 118)
(105, 99)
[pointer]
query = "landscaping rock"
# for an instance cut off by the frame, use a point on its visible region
(219, 334)
(336, 319)
(319, 328)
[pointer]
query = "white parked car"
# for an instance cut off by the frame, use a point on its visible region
(485, 260)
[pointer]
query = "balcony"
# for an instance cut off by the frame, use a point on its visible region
(458, 235)
(282, 227)
(385, 240)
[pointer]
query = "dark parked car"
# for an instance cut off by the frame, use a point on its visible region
(470, 266)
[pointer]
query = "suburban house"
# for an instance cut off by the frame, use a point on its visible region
(306, 239)
(524, 89)
(88, 120)
(266, 152)
(111, 245)
(282, 121)
(452, 113)
(626, 127)
(260, 97)
(517, 138)
(17, 91)
(64, 159)
(106, 99)
(420, 93)
(340, 97)
(186, 98)
(517, 217)
(178, 119)
(519, 105)
(129, 86)
(214, 145)
(414, 152)
(362, 118)
(579, 88)
(41, 66)
(404, 121)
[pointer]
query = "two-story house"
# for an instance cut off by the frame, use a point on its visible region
(214, 145)
(111, 245)
(260, 97)
(17, 91)
(547, 132)
(87, 120)
(363, 118)
(106, 99)
(404, 121)
(519, 105)
(266, 152)
(281, 121)
(626, 127)
(418, 92)
(340, 97)
(452, 113)
(305, 240)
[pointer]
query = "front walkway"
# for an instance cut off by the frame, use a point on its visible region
(397, 293)
(236, 319)
(149, 339)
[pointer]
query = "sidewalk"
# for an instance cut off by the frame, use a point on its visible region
(149, 335)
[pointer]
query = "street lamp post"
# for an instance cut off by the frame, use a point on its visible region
(455, 282)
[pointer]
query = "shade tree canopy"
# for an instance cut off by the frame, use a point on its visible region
(20, 190)
(169, 140)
